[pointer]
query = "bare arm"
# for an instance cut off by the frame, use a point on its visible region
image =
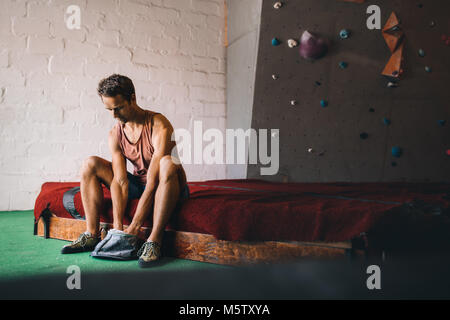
(119, 184)
(162, 143)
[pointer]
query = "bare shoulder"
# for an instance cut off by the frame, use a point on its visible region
(160, 123)
(112, 139)
(112, 134)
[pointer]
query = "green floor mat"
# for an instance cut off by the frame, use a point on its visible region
(24, 254)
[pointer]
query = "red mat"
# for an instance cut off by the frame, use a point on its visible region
(255, 210)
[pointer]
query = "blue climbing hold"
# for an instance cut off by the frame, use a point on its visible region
(397, 152)
(421, 53)
(343, 64)
(386, 121)
(363, 135)
(428, 69)
(275, 42)
(323, 103)
(441, 122)
(344, 34)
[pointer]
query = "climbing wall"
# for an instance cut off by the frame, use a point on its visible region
(348, 122)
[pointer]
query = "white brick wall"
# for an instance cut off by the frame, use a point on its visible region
(51, 118)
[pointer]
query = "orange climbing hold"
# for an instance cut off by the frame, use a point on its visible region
(393, 36)
(393, 67)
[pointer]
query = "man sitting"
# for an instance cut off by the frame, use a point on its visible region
(144, 138)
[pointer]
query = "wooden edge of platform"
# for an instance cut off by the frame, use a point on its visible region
(206, 248)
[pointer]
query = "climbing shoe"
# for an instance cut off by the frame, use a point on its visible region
(149, 254)
(85, 242)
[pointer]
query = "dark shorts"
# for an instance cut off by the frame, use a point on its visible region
(136, 188)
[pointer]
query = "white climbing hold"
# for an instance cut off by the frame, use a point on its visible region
(392, 84)
(274, 77)
(293, 102)
(292, 43)
(277, 5)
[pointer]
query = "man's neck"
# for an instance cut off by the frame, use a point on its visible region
(138, 118)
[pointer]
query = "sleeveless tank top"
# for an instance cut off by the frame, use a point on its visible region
(139, 153)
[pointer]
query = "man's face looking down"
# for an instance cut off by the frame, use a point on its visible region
(119, 107)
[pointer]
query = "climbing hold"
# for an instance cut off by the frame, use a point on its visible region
(343, 64)
(318, 83)
(274, 77)
(428, 69)
(432, 24)
(392, 84)
(274, 134)
(421, 53)
(293, 102)
(448, 152)
(277, 5)
(393, 35)
(363, 135)
(344, 34)
(441, 122)
(312, 47)
(394, 64)
(292, 43)
(396, 152)
(391, 32)
(386, 121)
(310, 150)
(445, 39)
(275, 42)
(323, 103)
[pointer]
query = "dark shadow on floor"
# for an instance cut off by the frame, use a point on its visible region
(409, 277)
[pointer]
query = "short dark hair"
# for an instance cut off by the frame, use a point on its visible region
(114, 85)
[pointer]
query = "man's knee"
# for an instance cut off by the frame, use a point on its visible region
(90, 166)
(167, 169)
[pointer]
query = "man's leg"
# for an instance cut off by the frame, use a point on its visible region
(166, 196)
(94, 171)
(171, 180)
(171, 177)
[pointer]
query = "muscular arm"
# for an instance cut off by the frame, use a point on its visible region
(119, 184)
(162, 143)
